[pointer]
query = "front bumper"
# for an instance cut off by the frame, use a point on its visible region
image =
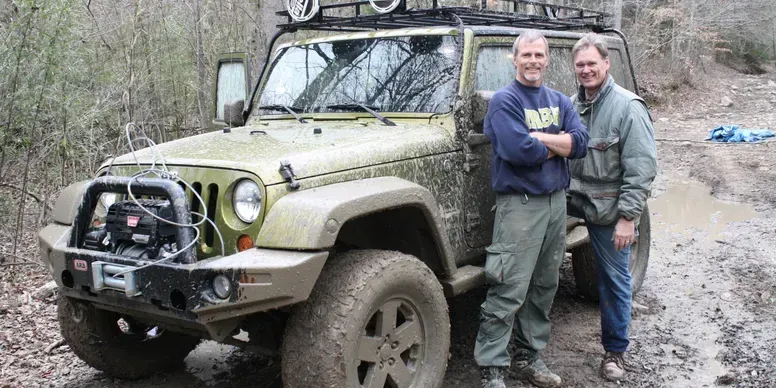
(178, 291)
(181, 294)
(262, 279)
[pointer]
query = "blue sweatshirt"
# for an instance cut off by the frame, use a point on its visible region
(520, 164)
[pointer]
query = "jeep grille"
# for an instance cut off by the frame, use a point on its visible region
(214, 186)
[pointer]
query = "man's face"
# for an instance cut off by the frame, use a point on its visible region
(531, 61)
(591, 68)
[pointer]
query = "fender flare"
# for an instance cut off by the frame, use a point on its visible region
(68, 202)
(311, 219)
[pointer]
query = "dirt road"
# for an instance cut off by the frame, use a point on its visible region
(706, 314)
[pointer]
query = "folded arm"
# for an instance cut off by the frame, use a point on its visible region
(572, 143)
(561, 144)
(511, 138)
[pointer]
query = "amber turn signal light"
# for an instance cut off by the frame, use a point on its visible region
(244, 242)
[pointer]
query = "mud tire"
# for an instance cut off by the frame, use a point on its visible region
(96, 338)
(584, 262)
(343, 314)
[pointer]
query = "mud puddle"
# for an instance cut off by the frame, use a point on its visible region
(693, 285)
(687, 207)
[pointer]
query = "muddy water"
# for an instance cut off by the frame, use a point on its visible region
(687, 215)
(687, 207)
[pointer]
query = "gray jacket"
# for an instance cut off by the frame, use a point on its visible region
(614, 179)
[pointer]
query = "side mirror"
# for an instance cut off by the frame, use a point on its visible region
(480, 100)
(233, 113)
(230, 89)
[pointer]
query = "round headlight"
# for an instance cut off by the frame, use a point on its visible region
(222, 286)
(247, 201)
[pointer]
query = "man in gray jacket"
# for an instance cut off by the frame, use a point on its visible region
(610, 186)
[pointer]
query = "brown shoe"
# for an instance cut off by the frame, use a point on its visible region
(528, 366)
(613, 366)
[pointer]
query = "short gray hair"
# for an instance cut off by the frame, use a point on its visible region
(591, 40)
(528, 37)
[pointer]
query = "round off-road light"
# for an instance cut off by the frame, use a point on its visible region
(107, 199)
(247, 200)
(222, 286)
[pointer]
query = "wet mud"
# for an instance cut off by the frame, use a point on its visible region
(706, 313)
(704, 316)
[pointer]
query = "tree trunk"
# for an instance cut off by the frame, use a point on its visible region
(201, 96)
(617, 14)
(12, 95)
(130, 92)
(19, 230)
(773, 29)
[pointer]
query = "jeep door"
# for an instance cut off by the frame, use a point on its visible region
(493, 69)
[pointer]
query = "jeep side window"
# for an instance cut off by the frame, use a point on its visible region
(496, 70)
(560, 74)
(619, 69)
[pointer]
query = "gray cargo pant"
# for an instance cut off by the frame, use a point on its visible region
(529, 242)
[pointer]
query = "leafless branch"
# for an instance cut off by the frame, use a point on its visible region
(10, 186)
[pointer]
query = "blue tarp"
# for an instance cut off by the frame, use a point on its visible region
(735, 134)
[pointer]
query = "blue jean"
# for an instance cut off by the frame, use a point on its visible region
(614, 287)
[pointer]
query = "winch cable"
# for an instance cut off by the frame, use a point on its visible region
(218, 232)
(163, 173)
(129, 141)
(151, 146)
(201, 201)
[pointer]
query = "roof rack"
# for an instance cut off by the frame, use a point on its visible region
(524, 14)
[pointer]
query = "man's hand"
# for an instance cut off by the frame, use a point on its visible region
(559, 144)
(624, 233)
(541, 136)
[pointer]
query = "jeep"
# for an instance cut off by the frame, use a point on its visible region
(345, 197)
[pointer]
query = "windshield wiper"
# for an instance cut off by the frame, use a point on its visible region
(370, 109)
(290, 109)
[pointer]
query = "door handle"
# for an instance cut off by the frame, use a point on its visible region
(475, 139)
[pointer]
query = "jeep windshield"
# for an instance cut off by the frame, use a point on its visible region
(392, 74)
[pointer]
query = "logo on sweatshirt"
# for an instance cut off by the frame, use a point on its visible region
(542, 118)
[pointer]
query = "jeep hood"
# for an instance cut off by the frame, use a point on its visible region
(338, 147)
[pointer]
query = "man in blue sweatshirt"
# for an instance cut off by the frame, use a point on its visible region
(533, 129)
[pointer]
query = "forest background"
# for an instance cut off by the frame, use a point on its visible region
(74, 72)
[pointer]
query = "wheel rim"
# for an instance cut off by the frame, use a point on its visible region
(634, 255)
(390, 351)
(634, 249)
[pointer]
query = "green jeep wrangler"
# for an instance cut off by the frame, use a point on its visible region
(346, 197)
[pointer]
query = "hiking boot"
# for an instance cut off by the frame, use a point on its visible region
(527, 365)
(492, 376)
(613, 366)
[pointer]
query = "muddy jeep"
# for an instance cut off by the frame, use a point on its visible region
(346, 197)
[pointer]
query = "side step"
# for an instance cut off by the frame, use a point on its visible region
(577, 236)
(466, 278)
(470, 277)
